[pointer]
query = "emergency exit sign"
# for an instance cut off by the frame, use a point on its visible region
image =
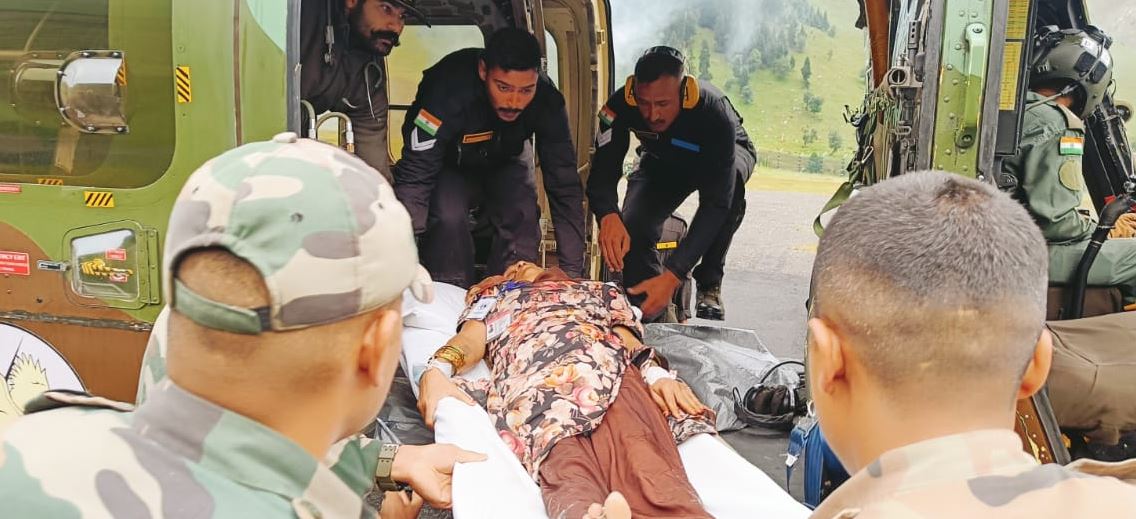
(15, 263)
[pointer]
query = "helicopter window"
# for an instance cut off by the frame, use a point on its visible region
(553, 58)
(421, 48)
(37, 41)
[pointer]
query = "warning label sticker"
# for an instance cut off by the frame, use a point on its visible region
(15, 263)
(116, 254)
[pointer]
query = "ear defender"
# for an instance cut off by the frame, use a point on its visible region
(688, 92)
(688, 89)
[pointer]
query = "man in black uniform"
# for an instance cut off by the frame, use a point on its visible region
(468, 139)
(342, 42)
(691, 140)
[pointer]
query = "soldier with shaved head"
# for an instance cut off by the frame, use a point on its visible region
(285, 266)
(928, 326)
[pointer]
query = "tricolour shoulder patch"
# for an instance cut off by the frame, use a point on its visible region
(607, 115)
(1072, 145)
(427, 122)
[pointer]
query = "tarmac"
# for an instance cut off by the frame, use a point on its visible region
(765, 290)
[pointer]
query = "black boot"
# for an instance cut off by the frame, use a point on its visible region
(709, 304)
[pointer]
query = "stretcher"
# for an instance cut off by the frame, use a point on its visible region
(729, 486)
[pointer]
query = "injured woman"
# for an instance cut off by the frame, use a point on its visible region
(589, 411)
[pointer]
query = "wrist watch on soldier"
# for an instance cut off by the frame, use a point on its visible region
(386, 465)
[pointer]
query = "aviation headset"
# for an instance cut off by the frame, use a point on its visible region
(688, 89)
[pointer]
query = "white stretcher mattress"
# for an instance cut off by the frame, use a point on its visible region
(729, 486)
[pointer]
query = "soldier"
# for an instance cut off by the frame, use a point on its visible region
(922, 340)
(1068, 78)
(691, 140)
(468, 138)
(284, 329)
(342, 43)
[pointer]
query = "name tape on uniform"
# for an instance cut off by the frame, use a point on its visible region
(690, 146)
(474, 138)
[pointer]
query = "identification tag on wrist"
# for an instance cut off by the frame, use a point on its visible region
(482, 308)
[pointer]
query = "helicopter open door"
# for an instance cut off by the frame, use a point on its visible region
(945, 86)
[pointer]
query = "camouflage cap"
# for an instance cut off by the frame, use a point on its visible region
(321, 226)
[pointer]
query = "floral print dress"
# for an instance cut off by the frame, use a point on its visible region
(556, 362)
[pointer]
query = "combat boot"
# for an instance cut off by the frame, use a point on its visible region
(710, 304)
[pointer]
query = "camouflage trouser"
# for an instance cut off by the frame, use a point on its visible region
(1114, 266)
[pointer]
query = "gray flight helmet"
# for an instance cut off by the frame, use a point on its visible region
(1080, 59)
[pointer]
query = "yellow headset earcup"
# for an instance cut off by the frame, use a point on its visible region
(629, 91)
(690, 93)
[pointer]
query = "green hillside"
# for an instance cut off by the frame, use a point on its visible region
(777, 116)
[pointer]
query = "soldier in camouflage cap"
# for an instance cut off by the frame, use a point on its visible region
(286, 262)
(922, 339)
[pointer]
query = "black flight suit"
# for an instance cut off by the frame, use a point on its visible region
(352, 83)
(457, 152)
(705, 150)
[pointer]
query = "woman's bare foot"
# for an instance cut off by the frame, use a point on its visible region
(614, 507)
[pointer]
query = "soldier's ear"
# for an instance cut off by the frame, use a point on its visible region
(382, 345)
(1038, 369)
(482, 69)
(827, 360)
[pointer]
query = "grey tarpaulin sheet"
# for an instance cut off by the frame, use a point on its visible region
(714, 361)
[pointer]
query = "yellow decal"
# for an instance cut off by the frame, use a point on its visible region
(667, 245)
(49, 181)
(1011, 61)
(98, 268)
(1018, 20)
(120, 77)
(474, 138)
(103, 199)
(183, 84)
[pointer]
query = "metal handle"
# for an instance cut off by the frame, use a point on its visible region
(976, 40)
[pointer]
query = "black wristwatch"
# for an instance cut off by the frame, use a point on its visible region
(383, 472)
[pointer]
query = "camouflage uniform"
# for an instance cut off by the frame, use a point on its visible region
(355, 460)
(1051, 185)
(981, 474)
(332, 242)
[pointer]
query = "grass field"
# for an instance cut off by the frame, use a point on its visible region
(777, 118)
(766, 179)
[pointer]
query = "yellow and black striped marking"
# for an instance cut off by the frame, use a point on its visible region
(120, 77)
(103, 199)
(666, 245)
(49, 181)
(183, 85)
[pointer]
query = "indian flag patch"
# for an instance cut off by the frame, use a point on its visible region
(428, 122)
(607, 116)
(1072, 145)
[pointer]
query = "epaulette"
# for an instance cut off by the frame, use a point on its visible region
(60, 398)
(1071, 120)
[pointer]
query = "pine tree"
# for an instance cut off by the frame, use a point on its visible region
(807, 71)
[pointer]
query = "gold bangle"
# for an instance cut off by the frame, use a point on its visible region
(451, 354)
